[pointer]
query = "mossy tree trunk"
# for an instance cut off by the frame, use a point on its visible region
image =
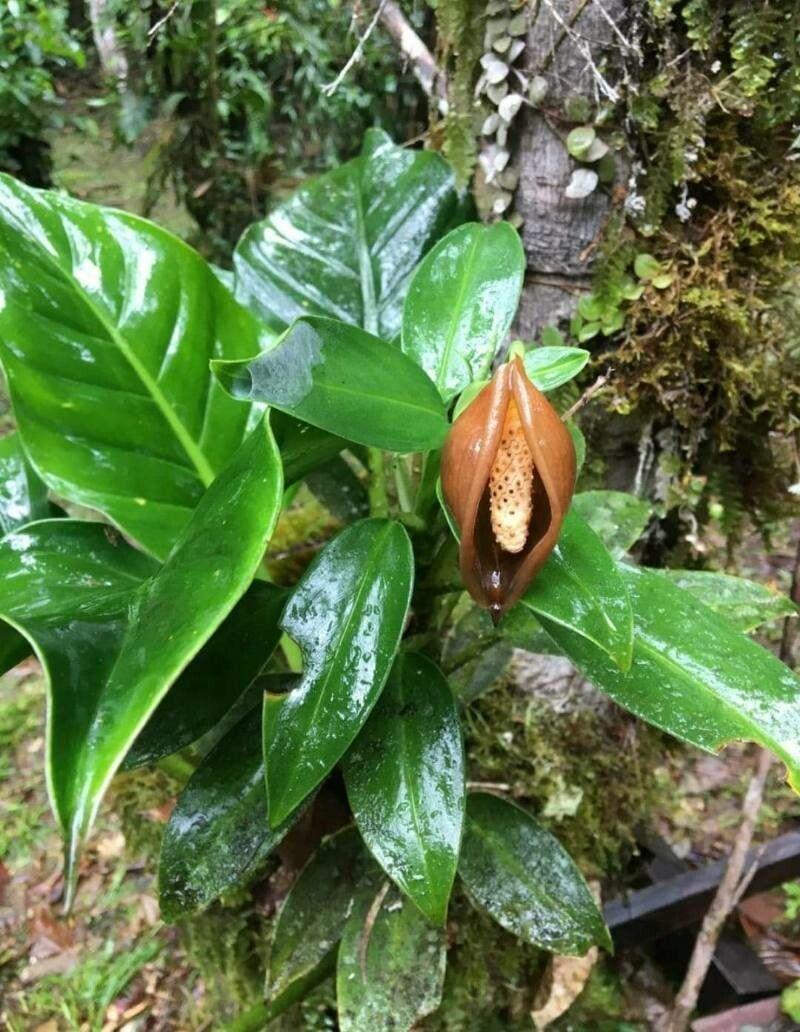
(579, 58)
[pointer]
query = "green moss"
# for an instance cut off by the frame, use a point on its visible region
(137, 797)
(593, 808)
(228, 946)
(460, 33)
(303, 528)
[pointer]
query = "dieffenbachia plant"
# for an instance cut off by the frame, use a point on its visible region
(361, 318)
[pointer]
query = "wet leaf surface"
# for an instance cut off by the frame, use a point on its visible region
(107, 327)
(693, 674)
(391, 966)
(347, 615)
(405, 782)
(346, 382)
(218, 836)
(461, 303)
(113, 630)
(521, 875)
(550, 366)
(619, 519)
(345, 245)
(745, 603)
(217, 677)
(313, 916)
(23, 495)
(581, 588)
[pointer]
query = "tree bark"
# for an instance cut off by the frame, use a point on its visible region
(575, 47)
(111, 53)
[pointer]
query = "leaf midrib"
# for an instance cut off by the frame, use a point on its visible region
(617, 631)
(758, 734)
(366, 271)
(412, 799)
(456, 314)
(190, 446)
(542, 895)
(322, 685)
(387, 399)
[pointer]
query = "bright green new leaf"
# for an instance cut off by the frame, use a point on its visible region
(345, 245)
(646, 267)
(312, 918)
(550, 367)
(107, 326)
(461, 302)
(580, 140)
(113, 631)
(344, 381)
(745, 603)
(619, 519)
(405, 782)
(522, 876)
(581, 588)
(347, 614)
(693, 674)
(218, 836)
(217, 677)
(390, 971)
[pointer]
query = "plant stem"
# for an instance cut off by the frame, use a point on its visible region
(402, 480)
(378, 499)
(176, 766)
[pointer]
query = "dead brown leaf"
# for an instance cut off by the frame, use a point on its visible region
(563, 982)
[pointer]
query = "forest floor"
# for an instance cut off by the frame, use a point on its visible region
(113, 965)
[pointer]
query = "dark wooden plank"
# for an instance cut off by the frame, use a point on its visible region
(655, 911)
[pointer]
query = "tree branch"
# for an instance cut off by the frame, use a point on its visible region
(423, 64)
(427, 72)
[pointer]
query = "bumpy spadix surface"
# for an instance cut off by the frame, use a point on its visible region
(511, 485)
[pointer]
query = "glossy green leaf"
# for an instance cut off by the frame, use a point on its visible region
(342, 380)
(113, 631)
(337, 487)
(521, 629)
(23, 495)
(745, 603)
(581, 588)
(303, 447)
(461, 303)
(312, 918)
(405, 782)
(694, 675)
(619, 519)
(216, 678)
(107, 326)
(345, 245)
(523, 877)
(23, 498)
(218, 836)
(475, 653)
(347, 615)
(551, 366)
(390, 971)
